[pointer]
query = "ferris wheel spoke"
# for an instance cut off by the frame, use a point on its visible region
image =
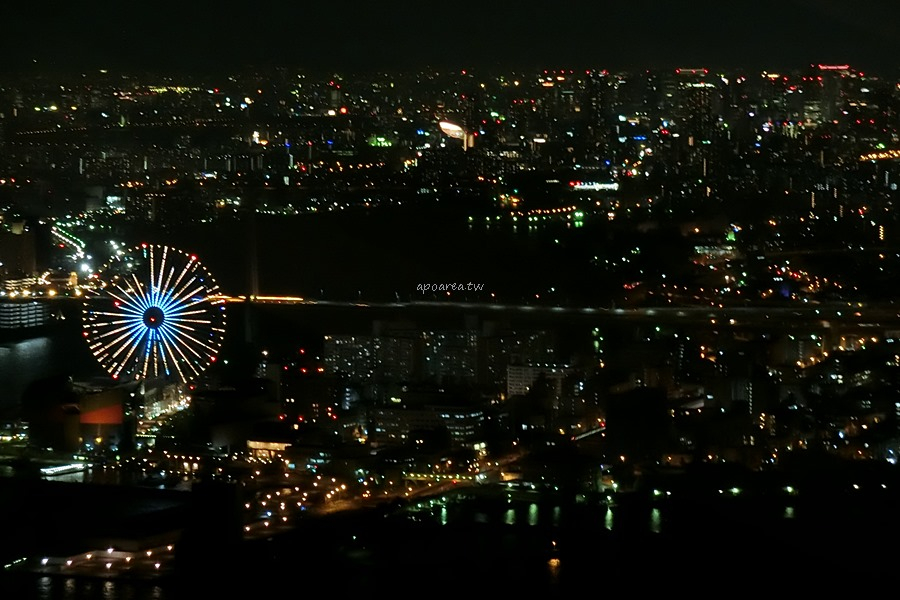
(144, 292)
(128, 316)
(173, 349)
(152, 277)
(140, 293)
(181, 340)
(147, 350)
(187, 269)
(202, 317)
(104, 326)
(114, 327)
(125, 299)
(132, 347)
(187, 332)
(198, 308)
(149, 356)
(175, 300)
(188, 315)
(189, 322)
(118, 347)
(131, 290)
(165, 286)
(171, 354)
(161, 354)
(185, 279)
(167, 356)
(158, 355)
(162, 268)
(105, 334)
(182, 297)
(123, 309)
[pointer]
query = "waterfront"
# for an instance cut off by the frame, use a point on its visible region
(25, 362)
(492, 541)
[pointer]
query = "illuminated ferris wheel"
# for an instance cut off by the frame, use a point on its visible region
(157, 312)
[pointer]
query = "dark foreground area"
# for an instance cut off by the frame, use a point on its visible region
(489, 542)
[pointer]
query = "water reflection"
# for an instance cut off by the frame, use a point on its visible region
(529, 508)
(22, 363)
(53, 588)
(60, 353)
(539, 511)
(655, 521)
(553, 565)
(77, 477)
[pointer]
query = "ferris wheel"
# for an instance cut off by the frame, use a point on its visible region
(156, 312)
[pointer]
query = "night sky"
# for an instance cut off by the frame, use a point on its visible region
(199, 34)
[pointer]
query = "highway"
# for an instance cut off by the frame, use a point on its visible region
(799, 315)
(823, 314)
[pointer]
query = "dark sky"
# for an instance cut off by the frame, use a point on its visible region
(337, 35)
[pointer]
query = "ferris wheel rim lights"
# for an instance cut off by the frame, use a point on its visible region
(166, 319)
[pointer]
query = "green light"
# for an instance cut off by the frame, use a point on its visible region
(380, 142)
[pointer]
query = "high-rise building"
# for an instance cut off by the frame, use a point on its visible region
(520, 378)
(393, 425)
(695, 101)
(513, 347)
(833, 79)
(451, 356)
(354, 356)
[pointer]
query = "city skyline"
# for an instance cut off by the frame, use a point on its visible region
(534, 299)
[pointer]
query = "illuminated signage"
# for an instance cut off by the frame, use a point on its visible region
(593, 186)
(453, 130)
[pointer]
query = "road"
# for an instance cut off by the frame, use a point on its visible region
(797, 314)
